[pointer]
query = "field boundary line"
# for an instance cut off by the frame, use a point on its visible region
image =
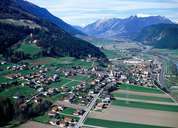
(143, 101)
(93, 126)
(168, 95)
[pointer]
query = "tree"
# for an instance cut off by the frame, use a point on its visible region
(6, 111)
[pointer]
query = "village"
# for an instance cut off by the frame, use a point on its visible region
(76, 99)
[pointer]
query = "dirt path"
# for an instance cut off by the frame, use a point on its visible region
(139, 116)
(147, 101)
(142, 93)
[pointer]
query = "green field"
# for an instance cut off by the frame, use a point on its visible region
(25, 72)
(116, 124)
(69, 111)
(167, 52)
(60, 83)
(139, 88)
(56, 97)
(110, 54)
(25, 91)
(145, 105)
(80, 77)
(43, 118)
(3, 80)
(72, 84)
(31, 49)
(149, 98)
(65, 62)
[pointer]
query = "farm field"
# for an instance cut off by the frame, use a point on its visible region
(35, 124)
(130, 109)
(147, 98)
(139, 88)
(142, 105)
(116, 124)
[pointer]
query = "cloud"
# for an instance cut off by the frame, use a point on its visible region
(144, 15)
(86, 11)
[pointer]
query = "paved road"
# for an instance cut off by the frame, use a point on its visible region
(90, 106)
(33, 97)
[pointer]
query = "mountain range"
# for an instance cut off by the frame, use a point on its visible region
(156, 31)
(18, 25)
(122, 28)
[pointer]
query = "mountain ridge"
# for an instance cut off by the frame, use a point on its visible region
(122, 28)
(45, 14)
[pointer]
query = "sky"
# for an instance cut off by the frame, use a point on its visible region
(83, 12)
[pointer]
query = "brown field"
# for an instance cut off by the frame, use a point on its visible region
(139, 116)
(142, 93)
(33, 124)
(40, 61)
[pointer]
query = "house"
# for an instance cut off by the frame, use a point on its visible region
(52, 114)
(62, 124)
(68, 119)
(99, 106)
(107, 100)
(79, 112)
(3, 62)
(55, 77)
(53, 122)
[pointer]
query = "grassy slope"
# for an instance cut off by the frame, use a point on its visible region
(31, 49)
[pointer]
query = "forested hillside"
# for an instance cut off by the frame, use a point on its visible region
(160, 36)
(17, 25)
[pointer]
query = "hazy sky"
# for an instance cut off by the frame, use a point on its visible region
(82, 12)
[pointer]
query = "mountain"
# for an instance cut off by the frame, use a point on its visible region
(18, 26)
(78, 27)
(160, 36)
(45, 14)
(122, 28)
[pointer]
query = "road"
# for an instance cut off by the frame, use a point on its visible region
(161, 77)
(33, 97)
(90, 106)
